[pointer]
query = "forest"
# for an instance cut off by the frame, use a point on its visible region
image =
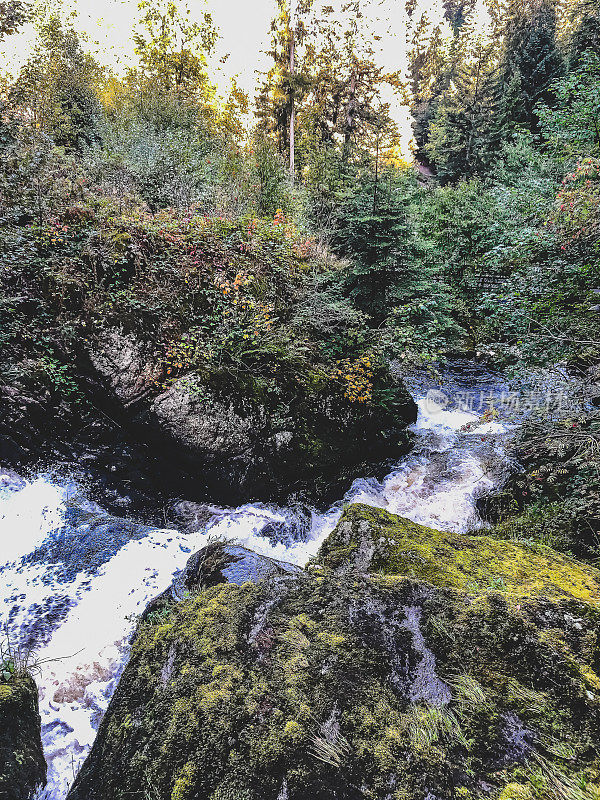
(217, 309)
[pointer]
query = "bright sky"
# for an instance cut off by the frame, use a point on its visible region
(244, 26)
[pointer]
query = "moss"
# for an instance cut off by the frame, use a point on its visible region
(349, 684)
(22, 764)
(516, 791)
(381, 542)
(184, 783)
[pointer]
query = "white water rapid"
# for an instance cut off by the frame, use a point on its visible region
(73, 577)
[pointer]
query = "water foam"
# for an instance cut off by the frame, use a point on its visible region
(84, 621)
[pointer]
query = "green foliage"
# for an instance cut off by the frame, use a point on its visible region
(57, 86)
(270, 174)
(393, 278)
(172, 49)
(463, 133)
(555, 500)
(372, 229)
(530, 61)
(573, 125)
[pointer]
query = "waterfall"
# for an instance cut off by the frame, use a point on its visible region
(74, 578)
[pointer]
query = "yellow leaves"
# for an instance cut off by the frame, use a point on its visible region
(358, 377)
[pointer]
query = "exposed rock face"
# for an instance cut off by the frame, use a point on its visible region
(22, 764)
(409, 665)
(23, 414)
(217, 563)
(241, 441)
(126, 364)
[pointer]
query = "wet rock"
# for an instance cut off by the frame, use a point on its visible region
(22, 764)
(192, 517)
(404, 668)
(220, 562)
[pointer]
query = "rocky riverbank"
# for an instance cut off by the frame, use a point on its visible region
(402, 663)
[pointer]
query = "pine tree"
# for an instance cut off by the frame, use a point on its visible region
(457, 12)
(373, 231)
(336, 91)
(430, 74)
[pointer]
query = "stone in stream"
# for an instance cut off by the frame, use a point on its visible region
(22, 764)
(409, 663)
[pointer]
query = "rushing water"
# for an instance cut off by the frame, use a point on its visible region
(73, 577)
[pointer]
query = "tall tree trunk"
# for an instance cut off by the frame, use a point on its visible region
(376, 173)
(292, 98)
(350, 118)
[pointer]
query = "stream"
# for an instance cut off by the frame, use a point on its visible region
(74, 577)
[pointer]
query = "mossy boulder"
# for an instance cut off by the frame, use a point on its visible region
(377, 676)
(22, 764)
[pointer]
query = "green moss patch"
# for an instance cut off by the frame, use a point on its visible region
(378, 541)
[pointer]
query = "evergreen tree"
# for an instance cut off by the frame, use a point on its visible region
(58, 86)
(373, 230)
(336, 91)
(457, 12)
(530, 60)
(430, 73)
(586, 37)
(464, 133)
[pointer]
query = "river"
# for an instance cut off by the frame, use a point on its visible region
(74, 577)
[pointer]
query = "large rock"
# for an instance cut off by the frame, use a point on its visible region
(22, 764)
(128, 367)
(372, 540)
(408, 664)
(240, 440)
